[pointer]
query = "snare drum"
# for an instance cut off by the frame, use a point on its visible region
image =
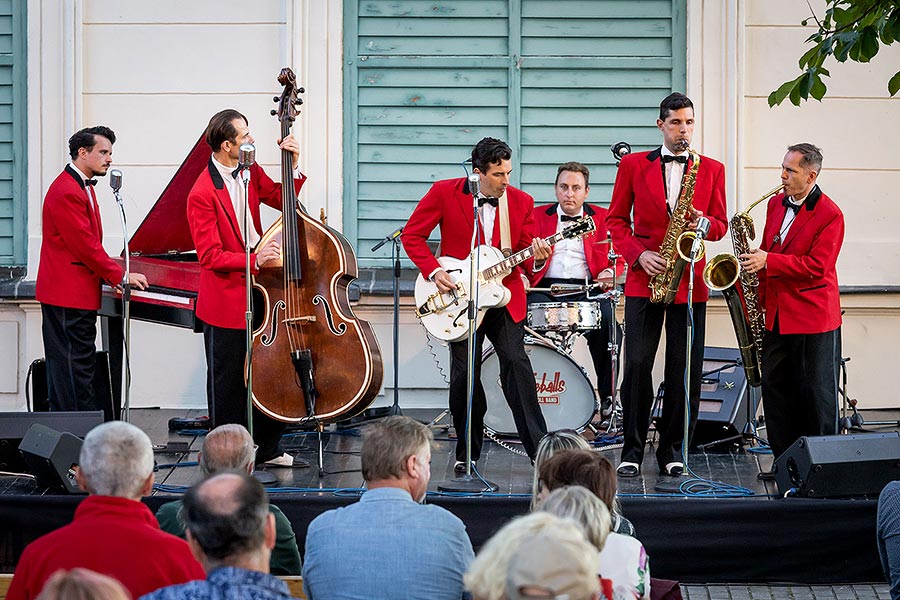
(565, 394)
(544, 317)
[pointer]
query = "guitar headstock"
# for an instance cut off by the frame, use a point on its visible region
(582, 226)
(289, 101)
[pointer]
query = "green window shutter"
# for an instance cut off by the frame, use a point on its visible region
(13, 191)
(559, 81)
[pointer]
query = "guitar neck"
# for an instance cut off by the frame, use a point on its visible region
(513, 260)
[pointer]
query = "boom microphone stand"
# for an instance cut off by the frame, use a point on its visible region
(394, 238)
(467, 483)
(115, 182)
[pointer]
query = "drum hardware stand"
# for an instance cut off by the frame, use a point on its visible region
(613, 347)
(115, 182)
(467, 483)
(394, 238)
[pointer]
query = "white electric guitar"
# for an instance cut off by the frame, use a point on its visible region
(444, 314)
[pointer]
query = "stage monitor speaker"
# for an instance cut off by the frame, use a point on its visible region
(838, 466)
(102, 386)
(51, 456)
(14, 425)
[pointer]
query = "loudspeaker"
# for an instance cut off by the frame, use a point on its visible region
(102, 386)
(724, 395)
(836, 466)
(51, 456)
(14, 425)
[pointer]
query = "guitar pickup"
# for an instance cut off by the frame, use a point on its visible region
(437, 301)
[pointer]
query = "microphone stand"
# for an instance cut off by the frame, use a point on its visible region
(126, 314)
(467, 483)
(248, 314)
(394, 238)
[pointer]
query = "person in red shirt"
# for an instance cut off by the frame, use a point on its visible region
(798, 289)
(73, 265)
(113, 532)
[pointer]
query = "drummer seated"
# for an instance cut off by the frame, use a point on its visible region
(578, 262)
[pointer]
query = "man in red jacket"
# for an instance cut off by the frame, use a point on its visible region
(449, 205)
(578, 261)
(73, 265)
(215, 211)
(647, 188)
(798, 289)
(113, 532)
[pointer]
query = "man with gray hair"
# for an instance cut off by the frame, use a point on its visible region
(405, 549)
(230, 448)
(798, 290)
(113, 532)
(231, 532)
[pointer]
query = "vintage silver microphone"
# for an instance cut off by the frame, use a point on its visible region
(475, 186)
(246, 159)
(702, 231)
(115, 181)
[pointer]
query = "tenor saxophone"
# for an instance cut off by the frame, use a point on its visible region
(676, 245)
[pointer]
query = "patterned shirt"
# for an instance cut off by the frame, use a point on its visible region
(226, 583)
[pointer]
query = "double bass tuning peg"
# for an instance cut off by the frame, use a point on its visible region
(273, 112)
(301, 90)
(298, 102)
(275, 99)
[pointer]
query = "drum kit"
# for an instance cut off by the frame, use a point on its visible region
(566, 395)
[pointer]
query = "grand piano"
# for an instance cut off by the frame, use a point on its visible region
(162, 249)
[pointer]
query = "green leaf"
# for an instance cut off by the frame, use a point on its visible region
(894, 84)
(818, 88)
(868, 46)
(807, 84)
(778, 96)
(854, 52)
(886, 35)
(895, 23)
(806, 59)
(795, 96)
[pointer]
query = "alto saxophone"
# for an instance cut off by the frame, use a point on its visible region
(722, 273)
(676, 245)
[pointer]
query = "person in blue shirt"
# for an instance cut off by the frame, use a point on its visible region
(389, 545)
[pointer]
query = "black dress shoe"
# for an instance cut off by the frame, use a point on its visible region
(628, 470)
(672, 471)
(459, 469)
(766, 476)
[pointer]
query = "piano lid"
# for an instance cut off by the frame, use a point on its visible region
(165, 228)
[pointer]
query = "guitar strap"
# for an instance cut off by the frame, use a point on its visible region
(503, 208)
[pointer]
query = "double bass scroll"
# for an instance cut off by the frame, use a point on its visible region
(312, 358)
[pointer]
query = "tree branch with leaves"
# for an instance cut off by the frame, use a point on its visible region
(849, 29)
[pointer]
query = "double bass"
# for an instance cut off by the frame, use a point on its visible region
(312, 359)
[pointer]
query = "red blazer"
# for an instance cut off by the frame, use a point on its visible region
(639, 189)
(73, 261)
(597, 256)
(449, 204)
(221, 298)
(800, 278)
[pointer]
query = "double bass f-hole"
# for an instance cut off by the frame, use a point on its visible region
(329, 315)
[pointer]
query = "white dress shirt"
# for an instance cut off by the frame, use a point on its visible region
(235, 187)
(568, 260)
(674, 175)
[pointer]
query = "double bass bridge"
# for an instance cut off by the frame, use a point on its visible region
(299, 320)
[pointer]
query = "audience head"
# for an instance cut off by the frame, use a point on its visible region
(486, 577)
(550, 444)
(565, 567)
(116, 460)
(228, 523)
(227, 448)
(584, 508)
(396, 452)
(82, 584)
(586, 468)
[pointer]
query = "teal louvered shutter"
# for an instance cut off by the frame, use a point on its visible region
(559, 81)
(13, 191)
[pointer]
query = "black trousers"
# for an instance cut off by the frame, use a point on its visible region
(799, 386)
(226, 392)
(643, 327)
(516, 379)
(69, 350)
(597, 339)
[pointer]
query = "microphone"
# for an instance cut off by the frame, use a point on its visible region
(247, 158)
(620, 149)
(702, 231)
(474, 185)
(115, 180)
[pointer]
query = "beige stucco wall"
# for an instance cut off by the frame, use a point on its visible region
(156, 71)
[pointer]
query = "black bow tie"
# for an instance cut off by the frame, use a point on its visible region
(667, 158)
(565, 218)
(492, 201)
(788, 204)
(90, 182)
(237, 171)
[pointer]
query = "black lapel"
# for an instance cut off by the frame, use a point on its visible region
(813, 198)
(215, 175)
(75, 175)
(551, 210)
(655, 154)
(589, 210)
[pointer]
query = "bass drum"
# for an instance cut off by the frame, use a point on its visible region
(565, 394)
